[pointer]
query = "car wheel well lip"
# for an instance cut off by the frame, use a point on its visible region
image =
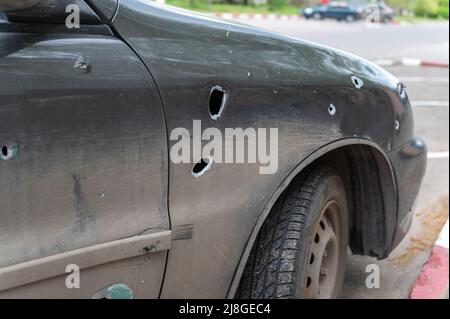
(305, 162)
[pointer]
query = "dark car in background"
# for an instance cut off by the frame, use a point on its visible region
(335, 10)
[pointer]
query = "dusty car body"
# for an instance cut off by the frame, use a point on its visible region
(86, 116)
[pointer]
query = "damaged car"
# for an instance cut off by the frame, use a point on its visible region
(110, 187)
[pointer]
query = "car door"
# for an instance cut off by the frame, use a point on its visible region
(328, 11)
(334, 11)
(263, 82)
(83, 163)
(346, 11)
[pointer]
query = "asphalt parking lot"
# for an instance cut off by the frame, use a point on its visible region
(428, 89)
(422, 41)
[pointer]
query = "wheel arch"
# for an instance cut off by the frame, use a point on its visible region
(365, 162)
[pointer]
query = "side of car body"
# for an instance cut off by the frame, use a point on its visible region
(90, 111)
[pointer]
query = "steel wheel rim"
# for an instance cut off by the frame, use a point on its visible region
(323, 262)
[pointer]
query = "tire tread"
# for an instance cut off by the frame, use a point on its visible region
(270, 272)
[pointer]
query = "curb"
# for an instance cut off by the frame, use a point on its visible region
(411, 62)
(432, 282)
(256, 16)
(270, 16)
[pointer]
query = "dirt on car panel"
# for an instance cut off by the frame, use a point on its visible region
(432, 219)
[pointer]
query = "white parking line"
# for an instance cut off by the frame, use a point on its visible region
(443, 236)
(425, 79)
(438, 154)
(429, 103)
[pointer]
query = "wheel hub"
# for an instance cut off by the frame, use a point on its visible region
(323, 259)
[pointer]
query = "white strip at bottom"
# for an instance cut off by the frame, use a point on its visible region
(429, 103)
(444, 154)
(443, 236)
(424, 79)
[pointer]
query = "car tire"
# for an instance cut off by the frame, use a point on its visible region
(350, 18)
(300, 251)
(317, 16)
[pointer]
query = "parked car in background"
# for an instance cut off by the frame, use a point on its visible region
(335, 10)
(378, 12)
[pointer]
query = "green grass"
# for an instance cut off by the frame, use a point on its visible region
(415, 19)
(202, 6)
